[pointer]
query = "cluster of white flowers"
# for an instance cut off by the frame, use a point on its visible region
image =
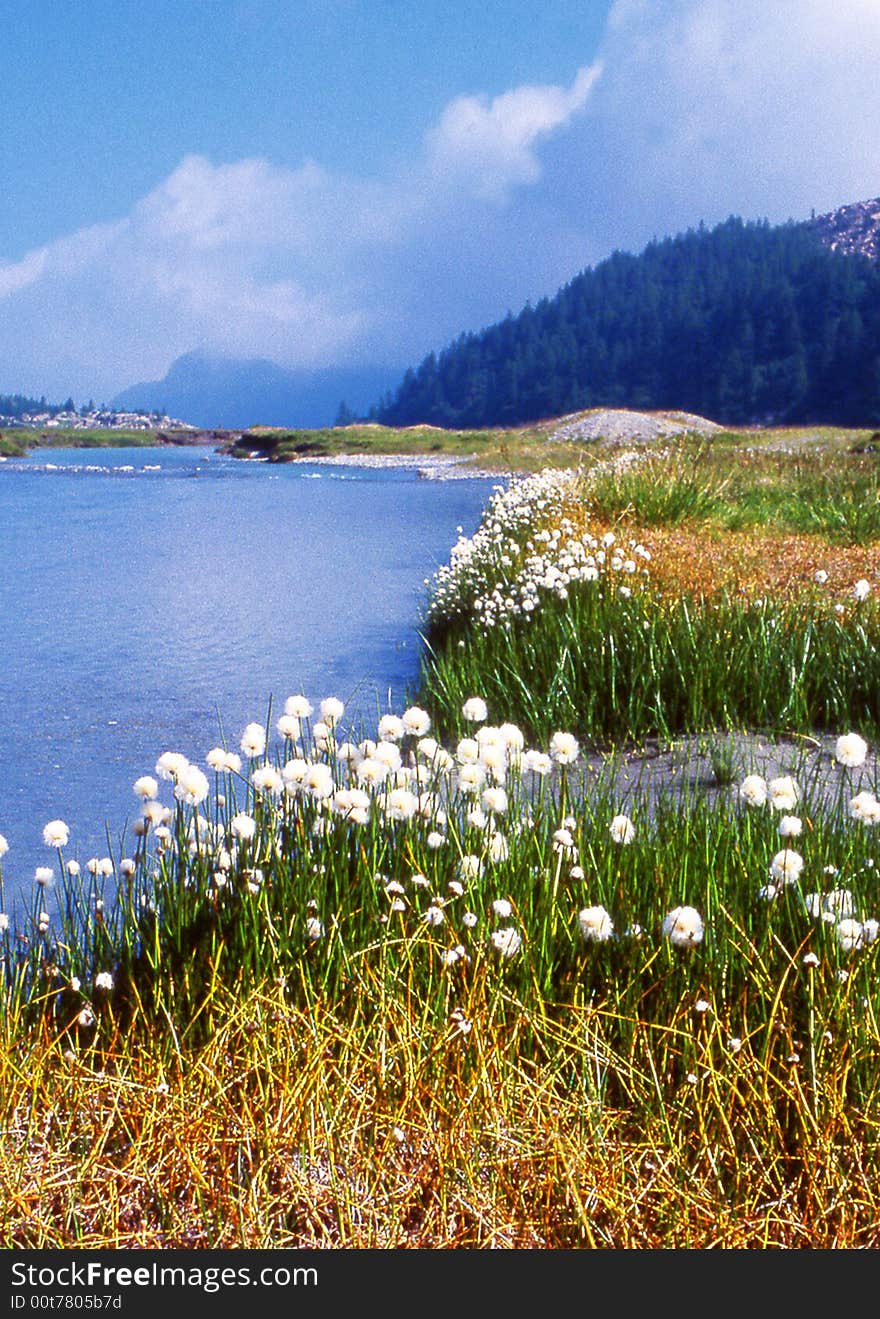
(836, 907)
(525, 551)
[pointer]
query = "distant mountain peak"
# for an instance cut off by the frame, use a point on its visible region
(853, 229)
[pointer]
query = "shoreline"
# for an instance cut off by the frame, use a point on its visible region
(437, 467)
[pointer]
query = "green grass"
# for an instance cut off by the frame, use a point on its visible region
(99, 438)
(616, 670)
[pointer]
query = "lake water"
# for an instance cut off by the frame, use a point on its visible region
(147, 595)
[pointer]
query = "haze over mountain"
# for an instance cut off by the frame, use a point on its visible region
(213, 391)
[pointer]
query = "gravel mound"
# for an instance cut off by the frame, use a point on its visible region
(619, 426)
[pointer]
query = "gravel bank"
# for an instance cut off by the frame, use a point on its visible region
(619, 426)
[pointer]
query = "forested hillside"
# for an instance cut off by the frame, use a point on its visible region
(746, 322)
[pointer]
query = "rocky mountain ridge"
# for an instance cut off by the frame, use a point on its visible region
(853, 229)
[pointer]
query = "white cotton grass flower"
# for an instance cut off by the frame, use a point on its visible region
(44, 877)
(349, 753)
(470, 779)
(849, 935)
(156, 813)
(318, 781)
(865, 808)
(192, 786)
(786, 867)
(332, 710)
(467, 752)
(870, 930)
(416, 722)
(862, 589)
(104, 982)
(502, 908)
(145, 787)
(243, 826)
(595, 924)
(56, 834)
(507, 941)
(4, 846)
(537, 762)
(753, 790)
(266, 778)
(322, 736)
(314, 929)
(563, 842)
(223, 761)
(434, 915)
(391, 728)
(388, 754)
(839, 902)
(401, 804)
(4, 922)
(100, 865)
(253, 740)
(475, 710)
(352, 804)
(564, 749)
(73, 869)
(784, 793)
(170, 764)
(498, 849)
(495, 800)
(622, 829)
(288, 727)
(435, 840)
(820, 576)
(513, 737)
(830, 906)
(298, 707)
(851, 750)
(683, 927)
(790, 826)
(470, 867)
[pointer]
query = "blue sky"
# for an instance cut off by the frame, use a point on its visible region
(331, 182)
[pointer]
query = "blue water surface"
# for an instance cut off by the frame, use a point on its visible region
(151, 597)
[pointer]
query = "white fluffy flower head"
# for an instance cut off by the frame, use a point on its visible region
(683, 927)
(56, 834)
(850, 750)
(596, 925)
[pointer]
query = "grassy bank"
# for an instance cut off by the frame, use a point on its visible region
(650, 594)
(481, 999)
(552, 443)
(20, 441)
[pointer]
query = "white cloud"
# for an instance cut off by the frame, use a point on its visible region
(713, 107)
(490, 144)
(16, 275)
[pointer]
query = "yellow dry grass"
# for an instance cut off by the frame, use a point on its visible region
(295, 1130)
